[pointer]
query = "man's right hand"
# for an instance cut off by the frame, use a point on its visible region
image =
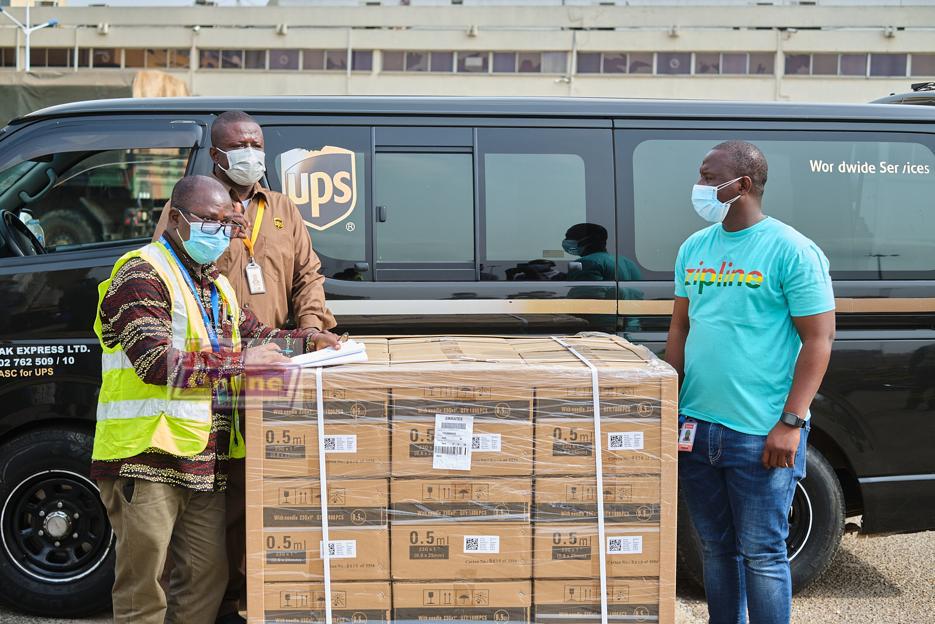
(264, 355)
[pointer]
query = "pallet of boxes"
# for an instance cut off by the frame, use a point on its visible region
(461, 484)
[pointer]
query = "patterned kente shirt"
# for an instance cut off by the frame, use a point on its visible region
(136, 313)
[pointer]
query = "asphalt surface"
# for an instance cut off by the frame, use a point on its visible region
(873, 580)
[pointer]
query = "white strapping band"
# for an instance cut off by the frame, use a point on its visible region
(599, 469)
(323, 484)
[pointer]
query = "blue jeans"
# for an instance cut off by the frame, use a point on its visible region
(741, 513)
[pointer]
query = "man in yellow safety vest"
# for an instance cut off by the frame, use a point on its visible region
(175, 343)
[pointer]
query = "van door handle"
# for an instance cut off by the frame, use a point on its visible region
(381, 214)
(26, 198)
(363, 267)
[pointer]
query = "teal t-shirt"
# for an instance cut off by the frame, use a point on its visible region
(743, 289)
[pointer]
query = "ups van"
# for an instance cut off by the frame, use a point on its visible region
(448, 215)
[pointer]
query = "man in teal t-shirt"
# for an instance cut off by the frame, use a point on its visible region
(751, 334)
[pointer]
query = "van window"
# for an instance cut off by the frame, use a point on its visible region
(425, 208)
(536, 185)
(97, 197)
(324, 170)
(868, 200)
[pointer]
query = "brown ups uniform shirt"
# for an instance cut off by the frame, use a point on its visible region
(290, 266)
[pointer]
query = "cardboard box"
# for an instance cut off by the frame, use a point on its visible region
(630, 429)
(304, 603)
(501, 419)
(427, 501)
(461, 550)
(356, 428)
(570, 600)
(285, 537)
(627, 499)
(296, 503)
(505, 602)
(571, 550)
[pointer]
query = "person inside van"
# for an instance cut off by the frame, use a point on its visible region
(750, 336)
(588, 241)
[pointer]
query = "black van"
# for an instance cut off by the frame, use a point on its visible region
(449, 215)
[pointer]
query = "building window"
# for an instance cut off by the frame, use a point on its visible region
(853, 64)
(824, 64)
(394, 61)
(254, 59)
(528, 63)
(589, 63)
(798, 64)
(283, 59)
(707, 63)
(231, 59)
(888, 64)
(362, 60)
(733, 63)
(313, 60)
(336, 60)
(922, 64)
(417, 61)
(673, 63)
(442, 61)
(640, 62)
(209, 59)
(134, 57)
(180, 59)
(7, 57)
(477, 62)
(762, 63)
(105, 57)
(554, 62)
(504, 62)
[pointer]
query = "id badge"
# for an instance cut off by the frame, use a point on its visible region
(687, 435)
(255, 282)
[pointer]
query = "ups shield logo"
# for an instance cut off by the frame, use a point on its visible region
(322, 183)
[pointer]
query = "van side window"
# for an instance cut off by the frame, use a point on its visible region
(547, 200)
(96, 197)
(865, 198)
(324, 170)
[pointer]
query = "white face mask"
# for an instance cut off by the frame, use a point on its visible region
(245, 165)
(706, 203)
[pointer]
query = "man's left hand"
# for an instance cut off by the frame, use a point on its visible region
(782, 443)
(325, 339)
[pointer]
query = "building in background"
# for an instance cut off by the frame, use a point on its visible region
(835, 50)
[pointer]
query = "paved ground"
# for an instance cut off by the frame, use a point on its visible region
(876, 580)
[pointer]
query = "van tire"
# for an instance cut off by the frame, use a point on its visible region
(67, 227)
(56, 545)
(816, 527)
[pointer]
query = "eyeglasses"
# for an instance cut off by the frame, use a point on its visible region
(211, 227)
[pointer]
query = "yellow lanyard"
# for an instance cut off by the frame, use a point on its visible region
(255, 232)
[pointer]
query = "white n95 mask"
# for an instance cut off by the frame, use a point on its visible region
(245, 166)
(706, 203)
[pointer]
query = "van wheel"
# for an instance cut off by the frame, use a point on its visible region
(67, 227)
(56, 545)
(816, 525)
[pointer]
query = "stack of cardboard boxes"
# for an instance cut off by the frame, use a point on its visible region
(461, 484)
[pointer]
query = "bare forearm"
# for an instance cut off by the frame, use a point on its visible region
(809, 371)
(675, 350)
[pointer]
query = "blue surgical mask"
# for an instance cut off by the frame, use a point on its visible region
(706, 203)
(570, 246)
(204, 248)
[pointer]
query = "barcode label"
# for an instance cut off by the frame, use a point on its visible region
(339, 549)
(453, 442)
(486, 443)
(340, 444)
(477, 544)
(625, 545)
(625, 441)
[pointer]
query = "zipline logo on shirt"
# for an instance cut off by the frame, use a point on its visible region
(726, 277)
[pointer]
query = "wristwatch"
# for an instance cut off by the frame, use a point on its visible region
(788, 418)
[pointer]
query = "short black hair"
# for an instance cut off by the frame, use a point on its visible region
(225, 119)
(579, 231)
(189, 192)
(746, 159)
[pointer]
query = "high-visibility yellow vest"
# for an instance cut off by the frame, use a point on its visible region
(133, 416)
